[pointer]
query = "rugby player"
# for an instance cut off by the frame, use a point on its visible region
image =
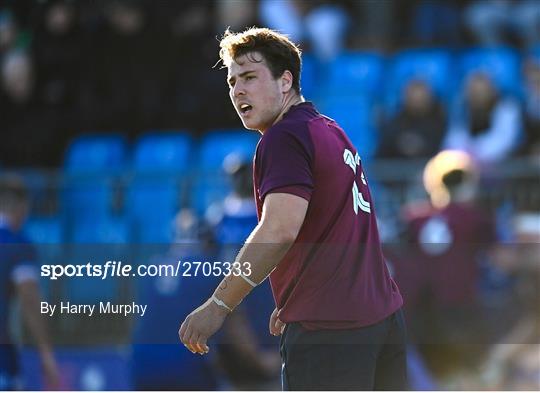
(19, 277)
(337, 308)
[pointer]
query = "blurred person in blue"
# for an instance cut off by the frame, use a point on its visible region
(484, 124)
(158, 363)
(252, 361)
(417, 130)
(19, 280)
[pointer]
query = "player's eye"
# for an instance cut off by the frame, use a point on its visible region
(250, 77)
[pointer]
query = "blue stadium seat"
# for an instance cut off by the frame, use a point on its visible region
(501, 64)
(91, 163)
(87, 196)
(218, 144)
(163, 151)
(212, 185)
(355, 115)
(96, 153)
(44, 230)
(433, 66)
(152, 202)
(96, 241)
(104, 230)
(355, 73)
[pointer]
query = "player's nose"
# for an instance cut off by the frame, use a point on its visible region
(238, 90)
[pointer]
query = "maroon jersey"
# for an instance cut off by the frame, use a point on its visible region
(444, 253)
(335, 275)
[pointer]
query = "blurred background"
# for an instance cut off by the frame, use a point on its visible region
(117, 118)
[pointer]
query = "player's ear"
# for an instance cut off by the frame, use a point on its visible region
(286, 81)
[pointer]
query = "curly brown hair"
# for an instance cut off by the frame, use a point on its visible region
(279, 52)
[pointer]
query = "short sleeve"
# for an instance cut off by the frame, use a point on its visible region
(284, 163)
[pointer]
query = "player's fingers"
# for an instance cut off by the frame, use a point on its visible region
(272, 322)
(203, 344)
(182, 330)
(200, 346)
(187, 339)
(279, 326)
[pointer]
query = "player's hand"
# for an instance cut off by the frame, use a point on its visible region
(275, 325)
(200, 325)
(50, 371)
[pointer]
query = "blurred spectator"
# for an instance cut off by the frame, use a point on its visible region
(57, 51)
(438, 271)
(32, 129)
(158, 361)
(252, 362)
(236, 14)
(531, 143)
(436, 23)
(496, 22)
(373, 23)
(239, 203)
(485, 125)
(418, 129)
(19, 279)
(8, 31)
(322, 27)
(183, 62)
(125, 92)
(11, 36)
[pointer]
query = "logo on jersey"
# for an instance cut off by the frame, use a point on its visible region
(435, 237)
(353, 160)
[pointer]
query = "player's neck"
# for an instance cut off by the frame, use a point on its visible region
(289, 102)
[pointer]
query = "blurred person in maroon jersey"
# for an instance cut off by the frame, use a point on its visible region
(439, 269)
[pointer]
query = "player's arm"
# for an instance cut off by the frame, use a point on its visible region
(28, 293)
(282, 217)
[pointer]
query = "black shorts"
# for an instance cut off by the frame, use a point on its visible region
(368, 358)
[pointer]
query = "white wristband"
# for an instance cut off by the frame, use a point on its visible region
(220, 303)
(248, 281)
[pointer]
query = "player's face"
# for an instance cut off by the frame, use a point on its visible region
(256, 95)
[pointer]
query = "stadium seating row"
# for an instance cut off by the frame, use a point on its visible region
(383, 78)
(107, 191)
(349, 88)
(113, 192)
